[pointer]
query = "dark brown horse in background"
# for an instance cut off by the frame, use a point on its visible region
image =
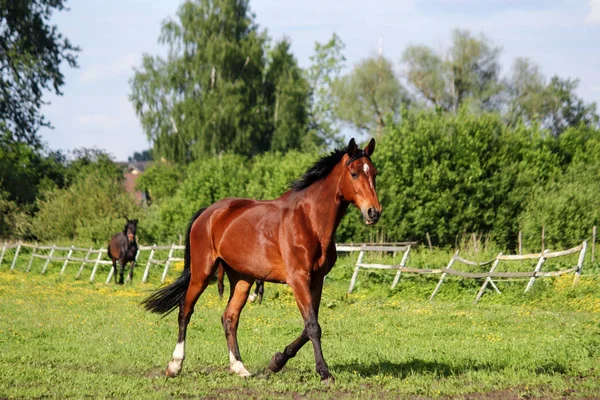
(258, 291)
(123, 248)
(286, 240)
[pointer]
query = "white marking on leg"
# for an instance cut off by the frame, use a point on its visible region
(179, 353)
(174, 366)
(237, 366)
(252, 297)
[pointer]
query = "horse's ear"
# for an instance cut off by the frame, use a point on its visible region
(370, 148)
(135, 221)
(352, 147)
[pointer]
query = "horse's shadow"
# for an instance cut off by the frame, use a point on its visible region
(438, 369)
(414, 367)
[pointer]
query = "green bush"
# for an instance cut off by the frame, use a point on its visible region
(91, 209)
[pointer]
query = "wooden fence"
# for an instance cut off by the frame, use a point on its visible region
(86, 256)
(94, 258)
(532, 275)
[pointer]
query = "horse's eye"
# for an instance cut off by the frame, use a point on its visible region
(354, 175)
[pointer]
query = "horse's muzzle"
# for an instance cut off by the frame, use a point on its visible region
(372, 216)
(130, 237)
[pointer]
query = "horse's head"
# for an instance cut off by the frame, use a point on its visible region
(358, 181)
(130, 229)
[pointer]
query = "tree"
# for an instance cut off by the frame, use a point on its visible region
(565, 108)
(145, 155)
(554, 105)
(327, 63)
(213, 93)
(527, 91)
(468, 74)
(31, 53)
(205, 97)
(287, 94)
(366, 96)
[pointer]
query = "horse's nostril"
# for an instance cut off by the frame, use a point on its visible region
(372, 213)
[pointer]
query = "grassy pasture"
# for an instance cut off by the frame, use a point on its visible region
(73, 339)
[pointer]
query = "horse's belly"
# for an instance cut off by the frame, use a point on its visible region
(257, 262)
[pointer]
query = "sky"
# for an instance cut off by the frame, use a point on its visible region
(562, 36)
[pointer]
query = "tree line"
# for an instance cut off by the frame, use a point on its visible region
(462, 147)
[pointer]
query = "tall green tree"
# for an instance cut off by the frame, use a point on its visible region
(468, 74)
(31, 53)
(368, 95)
(205, 97)
(215, 92)
(554, 105)
(327, 63)
(287, 94)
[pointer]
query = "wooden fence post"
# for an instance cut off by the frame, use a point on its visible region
(87, 257)
(580, 262)
(32, 257)
(93, 274)
(593, 242)
(520, 243)
(429, 241)
(356, 268)
(475, 246)
(489, 280)
(402, 265)
(48, 259)
(538, 267)
(439, 284)
(14, 262)
(147, 270)
(67, 259)
(164, 275)
(3, 251)
(110, 275)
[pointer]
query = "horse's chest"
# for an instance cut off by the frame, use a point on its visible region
(130, 253)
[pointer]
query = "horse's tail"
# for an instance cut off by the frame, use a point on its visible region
(165, 300)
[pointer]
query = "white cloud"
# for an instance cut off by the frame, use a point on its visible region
(593, 17)
(108, 70)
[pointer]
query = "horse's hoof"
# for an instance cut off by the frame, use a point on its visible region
(328, 380)
(277, 363)
(173, 369)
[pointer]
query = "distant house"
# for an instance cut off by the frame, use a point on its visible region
(132, 171)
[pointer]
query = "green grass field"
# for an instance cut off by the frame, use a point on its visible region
(72, 339)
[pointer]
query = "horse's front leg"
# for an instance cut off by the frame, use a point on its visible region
(130, 277)
(121, 271)
(308, 297)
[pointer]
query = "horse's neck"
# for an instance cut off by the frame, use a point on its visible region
(327, 208)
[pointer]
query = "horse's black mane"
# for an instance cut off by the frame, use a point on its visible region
(323, 167)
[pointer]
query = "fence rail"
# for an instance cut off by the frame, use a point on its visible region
(90, 256)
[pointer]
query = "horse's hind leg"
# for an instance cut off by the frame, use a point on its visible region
(258, 292)
(201, 273)
(239, 289)
(220, 286)
(260, 288)
(115, 270)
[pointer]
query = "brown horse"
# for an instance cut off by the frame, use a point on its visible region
(286, 240)
(123, 248)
